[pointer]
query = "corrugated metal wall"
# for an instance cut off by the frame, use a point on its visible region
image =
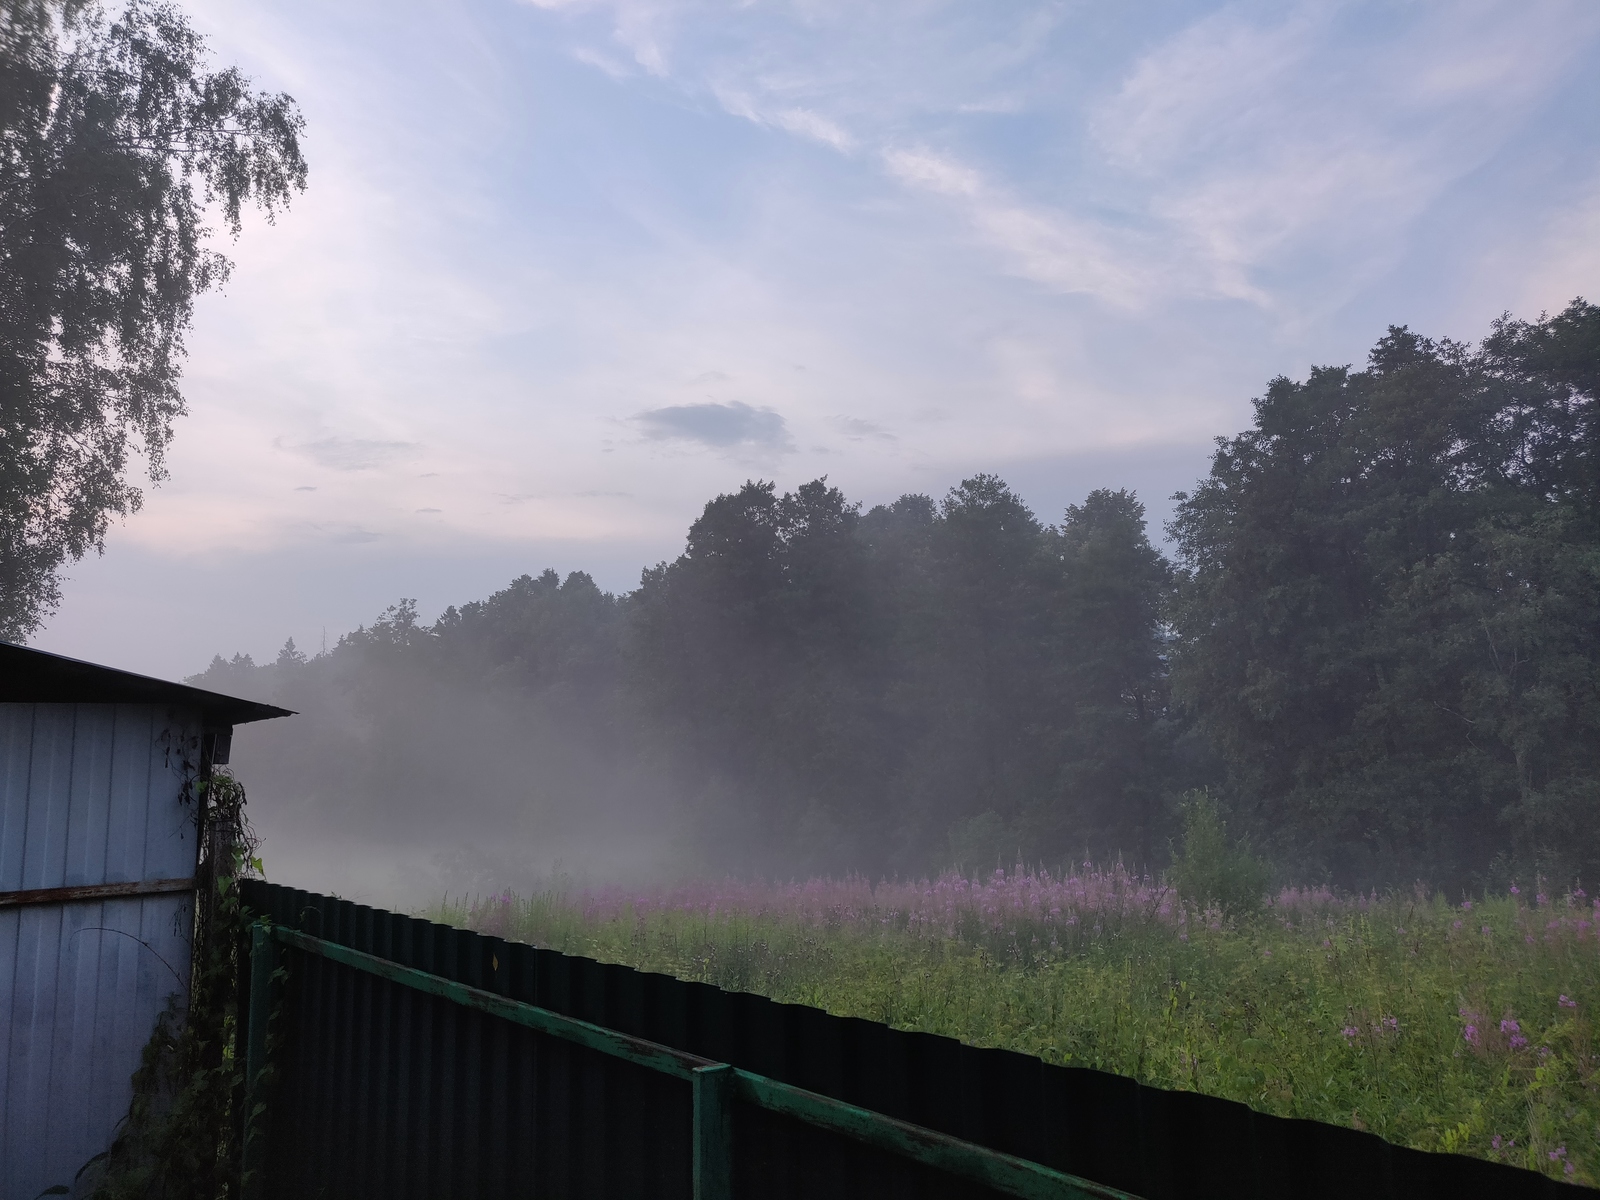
(385, 1092)
(89, 793)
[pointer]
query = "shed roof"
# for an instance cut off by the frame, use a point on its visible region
(34, 676)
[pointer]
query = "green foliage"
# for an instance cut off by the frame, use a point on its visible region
(983, 843)
(1379, 1014)
(114, 140)
(1211, 869)
(1386, 618)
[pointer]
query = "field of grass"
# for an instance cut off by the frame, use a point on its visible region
(1464, 1027)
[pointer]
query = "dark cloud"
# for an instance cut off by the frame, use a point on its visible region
(350, 454)
(719, 425)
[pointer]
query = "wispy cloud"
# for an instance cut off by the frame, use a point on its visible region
(348, 453)
(1053, 248)
(1282, 146)
(567, 268)
(858, 430)
(818, 128)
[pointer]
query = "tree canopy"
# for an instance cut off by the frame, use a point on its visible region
(1389, 613)
(116, 142)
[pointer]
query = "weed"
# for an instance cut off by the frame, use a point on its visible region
(1464, 1028)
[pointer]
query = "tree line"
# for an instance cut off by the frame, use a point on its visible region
(1375, 646)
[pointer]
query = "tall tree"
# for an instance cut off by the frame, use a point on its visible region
(115, 142)
(1386, 621)
(1110, 741)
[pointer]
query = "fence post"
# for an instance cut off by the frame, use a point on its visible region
(263, 962)
(713, 1132)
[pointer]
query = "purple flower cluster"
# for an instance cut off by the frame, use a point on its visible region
(1024, 915)
(1008, 905)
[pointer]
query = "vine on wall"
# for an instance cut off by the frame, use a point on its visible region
(181, 1139)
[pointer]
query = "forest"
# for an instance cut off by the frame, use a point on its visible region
(1371, 636)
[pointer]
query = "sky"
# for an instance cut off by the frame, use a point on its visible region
(566, 270)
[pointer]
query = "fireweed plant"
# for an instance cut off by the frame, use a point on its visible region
(1464, 1027)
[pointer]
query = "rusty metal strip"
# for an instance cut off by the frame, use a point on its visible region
(85, 893)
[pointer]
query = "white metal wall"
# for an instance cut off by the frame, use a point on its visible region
(89, 793)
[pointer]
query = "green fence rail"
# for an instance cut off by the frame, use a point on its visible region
(716, 1087)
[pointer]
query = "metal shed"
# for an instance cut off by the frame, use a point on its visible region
(98, 857)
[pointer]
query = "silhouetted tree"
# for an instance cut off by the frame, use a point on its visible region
(114, 139)
(1387, 618)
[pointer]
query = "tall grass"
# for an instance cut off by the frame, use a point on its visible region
(1463, 1027)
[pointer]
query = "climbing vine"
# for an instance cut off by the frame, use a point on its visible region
(181, 1137)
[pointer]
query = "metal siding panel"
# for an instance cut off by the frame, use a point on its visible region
(16, 755)
(90, 795)
(127, 798)
(28, 1051)
(152, 753)
(16, 745)
(44, 841)
(72, 1059)
(86, 836)
(9, 928)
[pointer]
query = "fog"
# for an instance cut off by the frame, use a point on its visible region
(807, 689)
(398, 790)
(1373, 646)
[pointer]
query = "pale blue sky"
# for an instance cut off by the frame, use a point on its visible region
(566, 270)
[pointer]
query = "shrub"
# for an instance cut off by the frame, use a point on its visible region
(1211, 871)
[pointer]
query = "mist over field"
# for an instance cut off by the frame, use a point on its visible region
(1373, 654)
(795, 695)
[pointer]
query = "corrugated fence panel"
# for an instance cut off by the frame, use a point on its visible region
(383, 1091)
(89, 793)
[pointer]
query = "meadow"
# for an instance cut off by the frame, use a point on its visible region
(1460, 1026)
